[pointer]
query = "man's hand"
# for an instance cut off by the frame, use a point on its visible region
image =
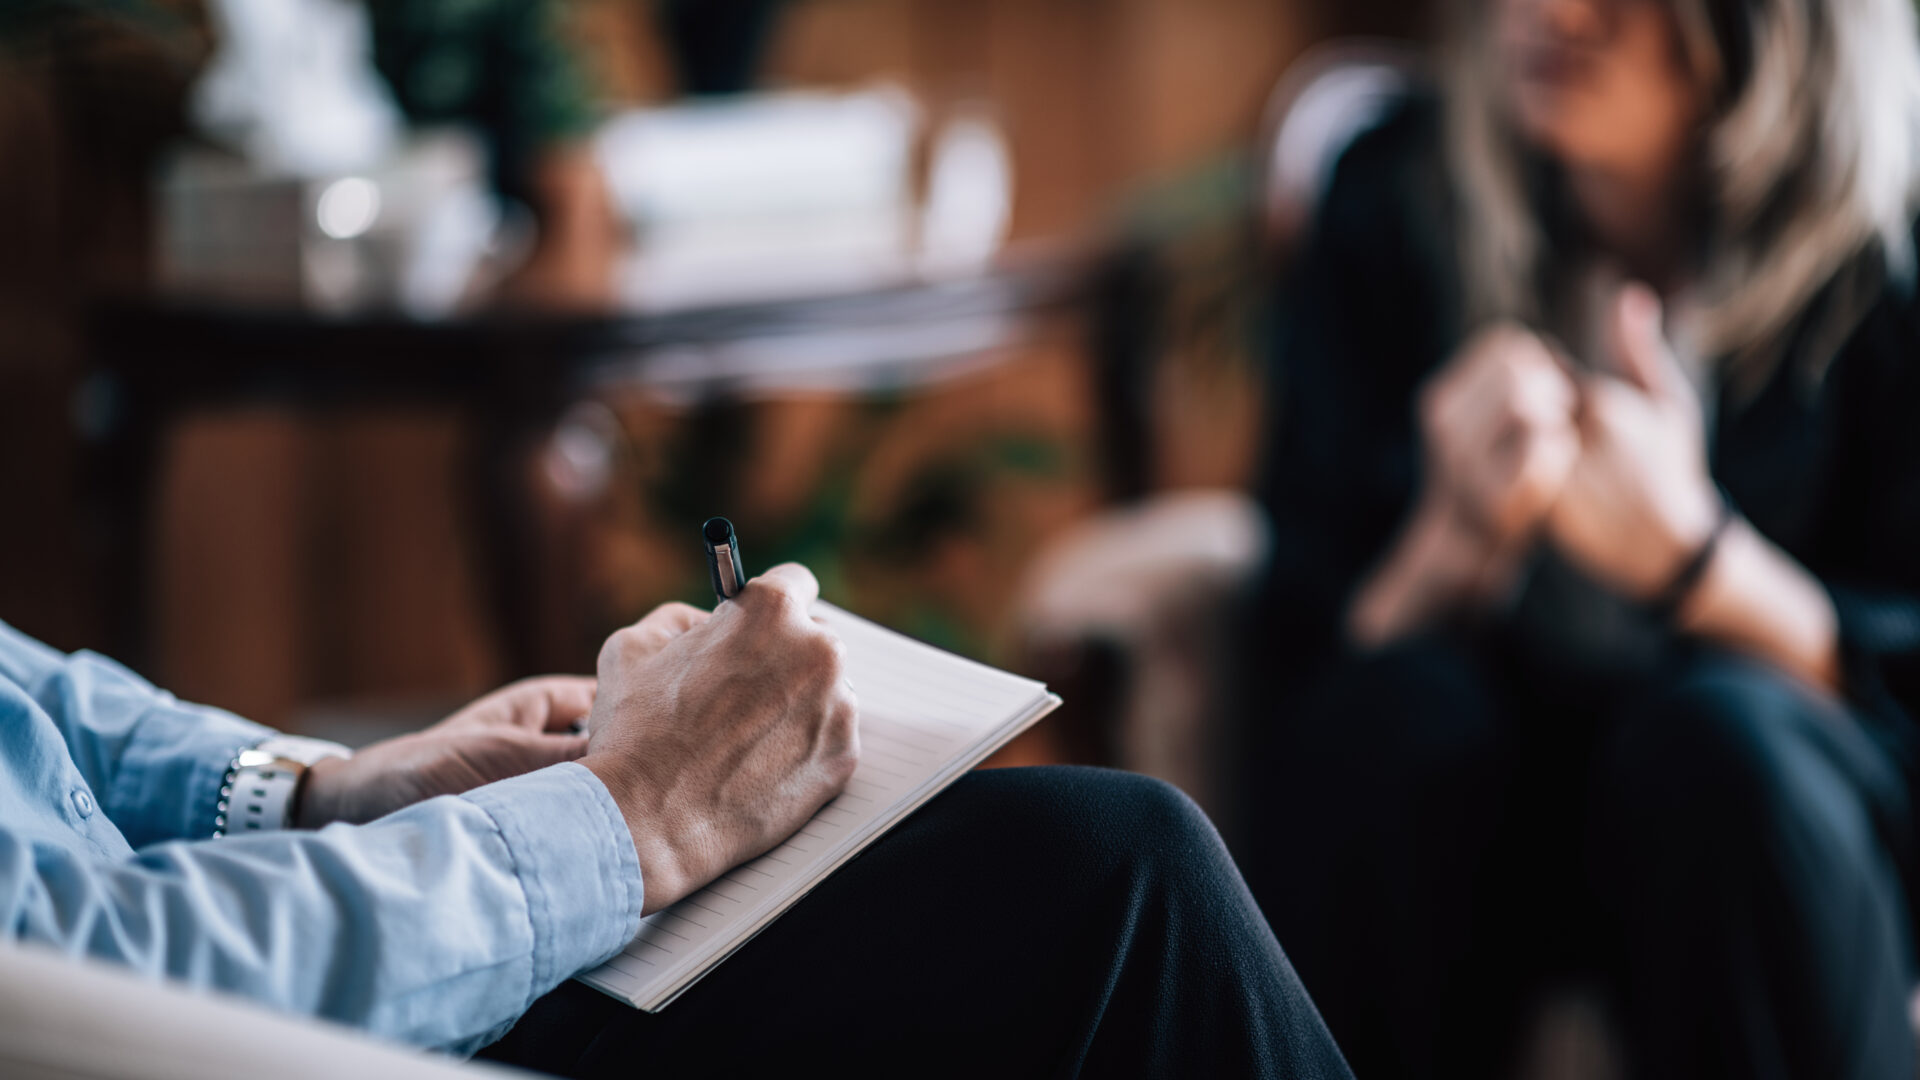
(720, 735)
(514, 730)
(1640, 501)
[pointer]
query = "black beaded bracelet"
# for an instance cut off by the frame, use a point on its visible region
(1666, 604)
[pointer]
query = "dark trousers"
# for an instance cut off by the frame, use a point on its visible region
(1435, 836)
(1027, 922)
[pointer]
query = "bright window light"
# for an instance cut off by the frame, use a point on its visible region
(348, 207)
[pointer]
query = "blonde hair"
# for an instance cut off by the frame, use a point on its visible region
(1812, 163)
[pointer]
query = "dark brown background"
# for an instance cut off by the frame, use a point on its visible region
(302, 561)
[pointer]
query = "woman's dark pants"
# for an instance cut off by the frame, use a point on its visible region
(1718, 850)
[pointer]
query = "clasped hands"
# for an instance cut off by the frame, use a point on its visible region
(1608, 466)
(717, 734)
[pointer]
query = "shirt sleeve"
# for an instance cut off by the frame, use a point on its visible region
(156, 763)
(436, 926)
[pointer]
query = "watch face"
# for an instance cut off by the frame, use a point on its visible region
(258, 796)
(302, 750)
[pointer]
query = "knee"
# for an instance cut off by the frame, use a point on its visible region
(1094, 824)
(1158, 854)
(1126, 809)
(1151, 815)
(1726, 756)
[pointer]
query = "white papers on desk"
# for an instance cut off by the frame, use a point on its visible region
(763, 196)
(926, 717)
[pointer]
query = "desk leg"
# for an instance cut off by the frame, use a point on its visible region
(527, 544)
(122, 426)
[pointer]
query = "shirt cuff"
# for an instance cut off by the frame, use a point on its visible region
(168, 783)
(575, 859)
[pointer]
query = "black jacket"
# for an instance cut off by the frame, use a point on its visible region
(1829, 469)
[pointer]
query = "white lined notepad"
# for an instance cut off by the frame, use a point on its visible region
(926, 717)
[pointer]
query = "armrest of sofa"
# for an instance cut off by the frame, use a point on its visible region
(63, 1018)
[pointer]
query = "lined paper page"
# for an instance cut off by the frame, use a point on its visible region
(925, 717)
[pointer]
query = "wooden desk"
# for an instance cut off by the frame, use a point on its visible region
(509, 377)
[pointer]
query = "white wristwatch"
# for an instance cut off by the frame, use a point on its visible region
(262, 784)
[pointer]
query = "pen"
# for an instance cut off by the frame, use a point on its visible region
(723, 558)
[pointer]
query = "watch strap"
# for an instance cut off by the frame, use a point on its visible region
(262, 785)
(301, 749)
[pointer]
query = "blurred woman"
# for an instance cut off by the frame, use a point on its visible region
(1595, 613)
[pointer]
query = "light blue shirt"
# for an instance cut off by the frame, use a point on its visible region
(436, 926)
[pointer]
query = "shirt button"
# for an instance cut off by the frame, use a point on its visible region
(82, 802)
